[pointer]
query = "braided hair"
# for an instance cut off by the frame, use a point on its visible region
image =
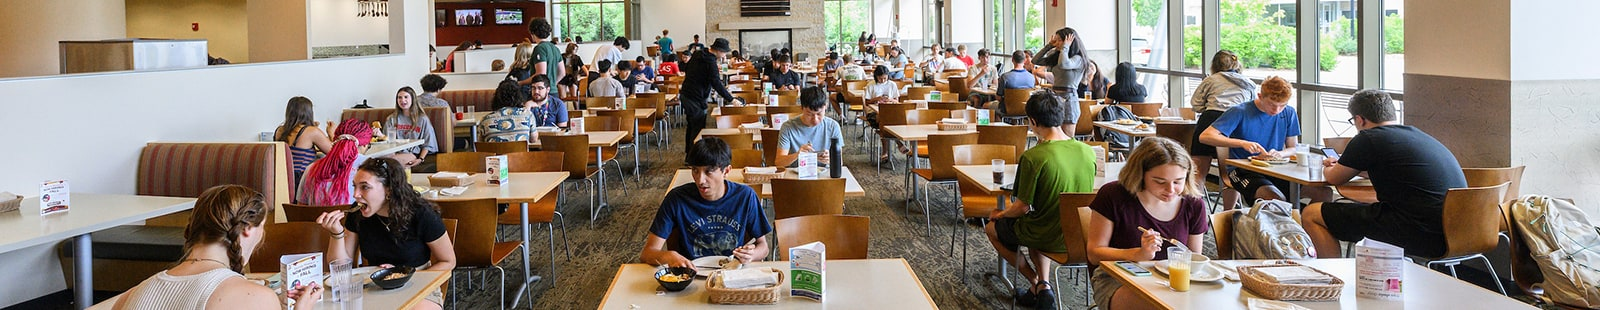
(221, 214)
(404, 202)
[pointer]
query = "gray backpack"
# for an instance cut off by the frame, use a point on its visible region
(1566, 247)
(1269, 231)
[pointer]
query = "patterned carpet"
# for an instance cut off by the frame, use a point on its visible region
(617, 235)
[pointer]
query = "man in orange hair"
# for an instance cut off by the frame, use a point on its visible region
(1267, 125)
(327, 181)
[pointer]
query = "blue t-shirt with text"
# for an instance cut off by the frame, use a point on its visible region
(707, 228)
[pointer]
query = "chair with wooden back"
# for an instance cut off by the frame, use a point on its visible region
(750, 97)
(796, 197)
(599, 102)
(925, 116)
(1085, 125)
(783, 109)
(917, 92)
(786, 92)
(1473, 222)
(605, 123)
(501, 147)
(747, 158)
(769, 145)
(1480, 177)
(735, 141)
(958, 86)
(1143, 109)
(294, 212)
(1013, 135)
(575, 156)
(1336, 143)
(1075, 214)
(1016, 105)
(975, 202)
(947, 105)
(542, 211)
(626, 120)
(738, 110)
(733, 121)
(1183, 133)
(845, 235)
(474, 241)
(292, 237)
(941, 169)
(465, 161)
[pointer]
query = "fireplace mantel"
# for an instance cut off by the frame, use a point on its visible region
(764, 25)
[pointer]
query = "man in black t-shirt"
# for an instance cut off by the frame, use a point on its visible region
(1410, 171)
(782, 77)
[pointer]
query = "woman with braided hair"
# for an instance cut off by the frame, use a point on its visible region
(225, 229)
(394, 227)
(327, 181)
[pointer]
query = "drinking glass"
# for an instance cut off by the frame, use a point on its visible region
(472, 109)
(1178, 268)
(998, 167)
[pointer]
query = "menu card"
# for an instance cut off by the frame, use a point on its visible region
(54, 196)
(497, 166)
(806, 166)
(1099, 160)
(1380, 269)
(301, 269)
(778, 119)
(983, 117)
(807, 264)
(934, 96)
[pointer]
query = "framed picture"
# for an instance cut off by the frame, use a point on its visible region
(469, 17)
(439, 18)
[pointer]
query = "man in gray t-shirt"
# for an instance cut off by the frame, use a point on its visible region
(812, 132)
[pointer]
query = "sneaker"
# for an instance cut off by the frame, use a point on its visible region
(1025, 298)
(1045, 299)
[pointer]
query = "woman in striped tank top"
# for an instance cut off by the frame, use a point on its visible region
(305, 140)
(226, 227)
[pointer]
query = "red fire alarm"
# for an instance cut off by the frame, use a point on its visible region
(195, 26)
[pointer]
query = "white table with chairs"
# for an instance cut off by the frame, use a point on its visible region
(88, 213)
(1424, 289)
(849, 283)
(522, 188)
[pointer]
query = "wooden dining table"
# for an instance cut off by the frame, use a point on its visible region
(1423, 289)
(1296, 174)
(391, 146)
(884, 283)
(522, 189)
(913, 134)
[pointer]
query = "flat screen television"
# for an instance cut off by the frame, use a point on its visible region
(469, 17)
(507, 16)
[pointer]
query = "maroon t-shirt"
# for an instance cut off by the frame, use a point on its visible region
(1127, 215)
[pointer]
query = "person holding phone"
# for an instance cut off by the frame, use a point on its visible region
(711, 216)
(1410, 171)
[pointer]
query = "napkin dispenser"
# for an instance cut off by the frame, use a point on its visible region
(449, 179)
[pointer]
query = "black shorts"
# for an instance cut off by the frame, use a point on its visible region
(1005, 231)
(1201, 149)
(1247, 182)
(1353, 221)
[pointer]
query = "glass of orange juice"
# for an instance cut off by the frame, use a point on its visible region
(1178, 268)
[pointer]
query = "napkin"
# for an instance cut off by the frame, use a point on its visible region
(748, 278)
(444, 175)
(752, 125)
(453, 191)
(953, 121)
(760, 170)
(1264, 304)
(1293, 275)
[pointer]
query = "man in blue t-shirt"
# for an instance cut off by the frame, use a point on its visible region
(813, 132)
(1267, 125)
(548, 111)
(712, 216)
(1017, 78)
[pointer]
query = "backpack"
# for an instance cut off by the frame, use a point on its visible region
(1566, 247)
(1269, 231)
(1110, 114)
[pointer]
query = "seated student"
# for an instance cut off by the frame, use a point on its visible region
(1410, 172)
(881, 91)
(512, 118)
(814, 132)
(851, 71)
(1153, 191)
(832, 63)
(1057, 164)
(431, 85)
(712, 216)
(548, 111)
(1127, 88)
(952, 60)
(897, 59)
(1265, 125)
(604, 85)
(669, 65)
(327, 181)
(624, 78)
(396, 227)
(409, 122)
(642, 69)
(300, 132)
(1017, 78)
(782, 77)
(227, 225)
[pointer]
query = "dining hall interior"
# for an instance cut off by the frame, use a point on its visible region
(1460, 139)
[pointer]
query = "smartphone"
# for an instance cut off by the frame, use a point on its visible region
(1330, 153)
(1133, 268)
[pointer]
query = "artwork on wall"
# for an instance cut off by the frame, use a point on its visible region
(439, 18)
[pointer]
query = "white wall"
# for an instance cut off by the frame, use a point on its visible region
(912, 24)
(95, 124)
(1543, 41)
(966, 20)
(1095, 21)
(883, 19)
(683, 19)
(334, 23)
(35, 26)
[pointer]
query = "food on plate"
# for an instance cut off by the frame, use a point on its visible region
(1126, 121)
(1259, 163)
(1142, 127)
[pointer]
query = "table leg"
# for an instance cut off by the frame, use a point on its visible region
(636, 147)
(83, 272)
(527, 269)
(911, 163)
(1294, 196)
(600, 165)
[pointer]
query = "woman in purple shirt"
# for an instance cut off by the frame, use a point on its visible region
(1152, 192)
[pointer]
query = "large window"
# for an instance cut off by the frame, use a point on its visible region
(1336, 22)
(1394, 44)
(1033, 25)
(1253, 30)
(592, 20)
(844, 22)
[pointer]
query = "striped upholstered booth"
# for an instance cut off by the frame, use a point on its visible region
(481, 99)
(443, 122)
(125, 255)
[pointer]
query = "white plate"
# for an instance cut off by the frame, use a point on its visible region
(706, 264)
(1207, 274)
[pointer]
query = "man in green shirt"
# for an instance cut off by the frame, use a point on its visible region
(546, 57)
(1057, 164)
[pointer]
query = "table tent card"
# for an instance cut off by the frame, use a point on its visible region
(54, 196)
(301, 269)
(983, 117)
(778, 119)
(1380, 270)
(497, 166)
(806, 168)
(807, 266)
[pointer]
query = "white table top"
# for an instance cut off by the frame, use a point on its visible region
(851, 284)
(983, 176)
(598, 138)
(391, 146)
(470, 119)
(87, 213)
(755, 136)
(920, 132)
(421, 284)
(1424, 289)
(852, 188)
(523, 187)
(1292, 172)
(1130, 130)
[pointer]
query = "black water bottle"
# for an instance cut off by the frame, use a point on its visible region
(835, 159)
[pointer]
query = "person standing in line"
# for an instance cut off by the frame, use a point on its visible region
(664, 42)
(701, 78)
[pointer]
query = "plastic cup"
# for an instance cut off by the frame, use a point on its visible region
(1178, 268)
(998, 167)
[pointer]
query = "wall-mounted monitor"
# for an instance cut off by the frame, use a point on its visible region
(469, 17)
(507, 16)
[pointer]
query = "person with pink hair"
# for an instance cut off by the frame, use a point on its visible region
(327, 181)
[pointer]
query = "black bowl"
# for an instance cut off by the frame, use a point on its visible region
(378, 277)
(685, 272)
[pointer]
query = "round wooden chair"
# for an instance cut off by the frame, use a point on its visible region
(501, 147)
(472, 162)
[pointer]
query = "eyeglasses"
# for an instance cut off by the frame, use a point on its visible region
(1351, 121)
